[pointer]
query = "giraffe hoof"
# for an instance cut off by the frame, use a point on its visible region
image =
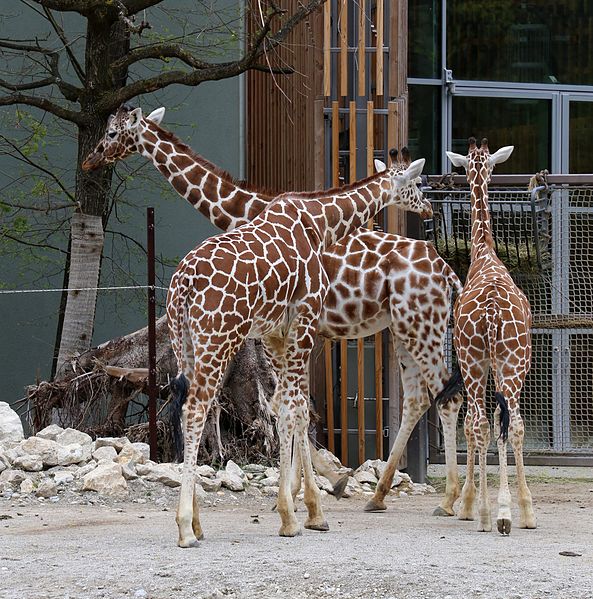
(323, 526)
(375, 506)
(528, 525)
(441, 511)
(504, 526)
(189, 543)
(290, 531)
(340, 487)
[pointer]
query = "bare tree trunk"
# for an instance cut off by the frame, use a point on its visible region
(86, 232)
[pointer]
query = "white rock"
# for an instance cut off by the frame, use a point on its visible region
(45, 448)
(270, 481)
(29, 462)
(130, 453)
(270, 491)
(71, 435)
(212, 485)
(63, 477)
(3, 466)
(254, 468)
(366, 476)
(105, 452)
(271, 472)
(164, 474)
(200, 492)
(230, 481)
(11, 455)
(106, 479)
(26, 487)
(84, 470)
(116, 442)
(50, 432)
(206, 471)
(12, 477)
(11, 427)
(128, 470)
(70, 454)
(234, 470)
(323, 483)
(143, 448)
(46, 488)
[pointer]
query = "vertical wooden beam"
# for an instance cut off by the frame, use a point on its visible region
(379, 395)
(327, 16)
(335, 144)
(319, 144)
(352, 141)
(361, 47)
(370, 145)
(329, 395)
(360, 405)
(379, 50)
(344, 48)
(344, 400)
(396, 136)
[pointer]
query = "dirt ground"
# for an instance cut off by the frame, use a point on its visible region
(123, 550)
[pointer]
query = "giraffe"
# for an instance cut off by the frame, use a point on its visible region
(377, 280)
(492, 331)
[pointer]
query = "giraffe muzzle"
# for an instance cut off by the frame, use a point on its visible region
(92, 162)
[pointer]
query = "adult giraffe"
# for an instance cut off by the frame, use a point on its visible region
(492, 331)
(377, 280)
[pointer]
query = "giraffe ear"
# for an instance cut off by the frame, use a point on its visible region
(380, 166)
(134, 118)
(414, 170)
(500, 155)
(457, 159)
(156, 116)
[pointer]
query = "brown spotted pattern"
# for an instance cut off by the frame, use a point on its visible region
(377, 280)
(492, 331)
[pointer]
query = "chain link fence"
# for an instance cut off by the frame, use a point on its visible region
(545, 238)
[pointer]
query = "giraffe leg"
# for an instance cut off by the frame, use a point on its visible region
(468, 493)
(285, 425)
(516, 433)
(196, 526)
(296, 470)
(482, 431)
(315, 519)
(503, 519)
(448, 414)
(416, 402)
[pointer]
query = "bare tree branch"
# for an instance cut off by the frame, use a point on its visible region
(84, 7)
(15, 87)
(44, 104)
(203, 71)
(60, 32)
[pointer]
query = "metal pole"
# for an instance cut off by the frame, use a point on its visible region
(151, 336)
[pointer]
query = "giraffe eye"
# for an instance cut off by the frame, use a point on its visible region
(112, 134)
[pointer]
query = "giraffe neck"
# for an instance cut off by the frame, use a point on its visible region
(207, 188)
(482, 240)
(337, 213)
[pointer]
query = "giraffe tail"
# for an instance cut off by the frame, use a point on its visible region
(452, 387)
(453, 279)
(492, 321)
(179, 386)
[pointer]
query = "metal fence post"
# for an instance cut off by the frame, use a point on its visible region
(151, 336)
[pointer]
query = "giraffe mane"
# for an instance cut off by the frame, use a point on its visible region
(218, 171)
(333, 190)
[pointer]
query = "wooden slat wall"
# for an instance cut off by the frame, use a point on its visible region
(283, 125)
(280, 111)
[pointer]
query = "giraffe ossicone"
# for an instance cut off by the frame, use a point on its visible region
(492, 331)
(377, 279)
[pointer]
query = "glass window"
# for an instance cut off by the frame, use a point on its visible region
(548, 41)
(523, 123)
(580, 135)
(424, 45)
(424, 130)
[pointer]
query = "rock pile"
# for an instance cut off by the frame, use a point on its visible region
(57, 461)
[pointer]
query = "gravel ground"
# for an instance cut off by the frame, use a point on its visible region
(124, 549)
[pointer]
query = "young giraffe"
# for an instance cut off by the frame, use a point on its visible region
(492, 330)
(377, 280)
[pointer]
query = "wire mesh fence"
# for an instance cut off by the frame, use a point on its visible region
(545, 238)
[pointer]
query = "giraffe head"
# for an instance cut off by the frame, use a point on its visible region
(479, 163)
(404, 178)
(124, 129)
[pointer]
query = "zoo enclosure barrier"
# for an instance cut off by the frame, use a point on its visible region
(545, 237)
